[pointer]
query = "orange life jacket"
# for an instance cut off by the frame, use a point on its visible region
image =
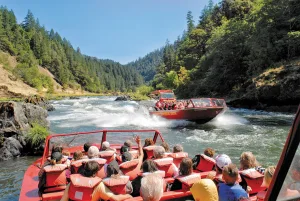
(108, 155)
(254, 179)
(130, 168)
(149, 151)
(165, 164)
(188, 181)
(75, 165)
(81, 188)
(206, 163)
(177, 157)
(55, 177)
(117, 185)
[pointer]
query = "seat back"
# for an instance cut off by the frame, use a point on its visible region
(108, 155)
(206, 163)
(188, 181)
(254, 179)
(149, 151)
(165, 164)
(130, 168)
(55, 177)
(177, 157)
(81, 188)
(117, 185)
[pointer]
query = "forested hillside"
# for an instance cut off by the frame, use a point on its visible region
(147, 64)
(33, 45)
(232, 44)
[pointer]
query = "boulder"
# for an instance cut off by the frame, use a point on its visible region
(123, 98)
(40, 101)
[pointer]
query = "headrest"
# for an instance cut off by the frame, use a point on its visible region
(178, 155)
(163, 161)
(111, 181)
(150, 148)
(207, 158)
(103, 154)
(190, 179)
(55, 168)
(129, 164)
(80, 181)
(251, 173)
(100, 161)
(159, 172)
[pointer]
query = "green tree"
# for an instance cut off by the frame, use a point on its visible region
(190, 21)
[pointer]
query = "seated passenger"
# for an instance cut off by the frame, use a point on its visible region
(86, 147)
(89, 187)
(77, 155)
(269, 172)
(66, 155)
(148, 142)
(93, 152)
(248, 161)
(177, 148)
(207, 152)
(185, 169)
(165, 146)
(230, 189)
(152, 187)
(158, 154)
(56, 160)
(126, 147)
(106, 147)
(204, 190)
(222, 160)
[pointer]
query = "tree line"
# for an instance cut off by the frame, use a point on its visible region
(231, 43)
(33, 45)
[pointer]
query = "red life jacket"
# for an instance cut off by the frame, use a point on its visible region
(165, 164)
(254, 179)
(117, 185)
(188, 181)
(108, 155)
(75, 165)
(55, 177)
(81, 188)
(149, 151)
(206, 163)
(177, 157)
(130, 168)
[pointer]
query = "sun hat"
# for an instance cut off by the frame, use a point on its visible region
(93, 152)
(222, 160)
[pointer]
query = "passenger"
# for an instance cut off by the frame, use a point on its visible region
(152, 187)
(126, 147)
(158, 153)
(231, 190)
(269, 172)
(128, 157)
(99, 192)
(93, 152)
(86, 147)
(148, 142)
(185, 169)
(66, 154)
(57, 148)
(222, 160)
(77, 155)
(148, 166)
(165, 146)
(210, 152)
(204, 190)
(56, 158)
(106, 147)
(247, 161)
(177, 148)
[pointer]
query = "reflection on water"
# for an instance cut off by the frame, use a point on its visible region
(233, 132)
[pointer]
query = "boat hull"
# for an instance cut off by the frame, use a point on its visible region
(199, 115)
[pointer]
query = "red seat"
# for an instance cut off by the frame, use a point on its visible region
(177, 157)
(254, 179)
(149, 151)
(108, 155)
(188, 181)
(130, 168)
(165, 164)
(206, 163)
(117, 185)
(52, 196)
(55, 177)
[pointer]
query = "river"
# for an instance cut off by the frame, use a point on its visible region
(233, 132)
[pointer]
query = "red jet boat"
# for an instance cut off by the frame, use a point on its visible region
(200, 110)
(280, 187)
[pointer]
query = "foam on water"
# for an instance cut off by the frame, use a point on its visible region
(228, 118)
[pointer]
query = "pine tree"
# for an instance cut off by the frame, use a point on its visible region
(29, 22)
(190, 21)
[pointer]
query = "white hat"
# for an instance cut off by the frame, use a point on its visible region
(93, 152)
(105, 144)
(222, 160)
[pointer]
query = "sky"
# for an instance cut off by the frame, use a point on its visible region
(121, 30)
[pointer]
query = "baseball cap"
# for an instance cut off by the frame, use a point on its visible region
(222, 160)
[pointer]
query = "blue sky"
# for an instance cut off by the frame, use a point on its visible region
(121, 30)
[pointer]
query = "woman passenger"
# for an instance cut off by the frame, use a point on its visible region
(166, 146)
(248, 161)
(185, 169)
(148, 142)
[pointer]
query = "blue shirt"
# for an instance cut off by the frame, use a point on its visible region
(231, 192)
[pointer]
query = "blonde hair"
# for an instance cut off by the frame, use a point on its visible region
(248, 160)
(269, 172)
(152, 187)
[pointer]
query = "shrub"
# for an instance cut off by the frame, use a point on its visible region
(37, 134)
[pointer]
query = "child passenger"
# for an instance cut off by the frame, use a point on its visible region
(231, 190)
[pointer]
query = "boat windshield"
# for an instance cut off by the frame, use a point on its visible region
(201, 102)
(167, 95)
